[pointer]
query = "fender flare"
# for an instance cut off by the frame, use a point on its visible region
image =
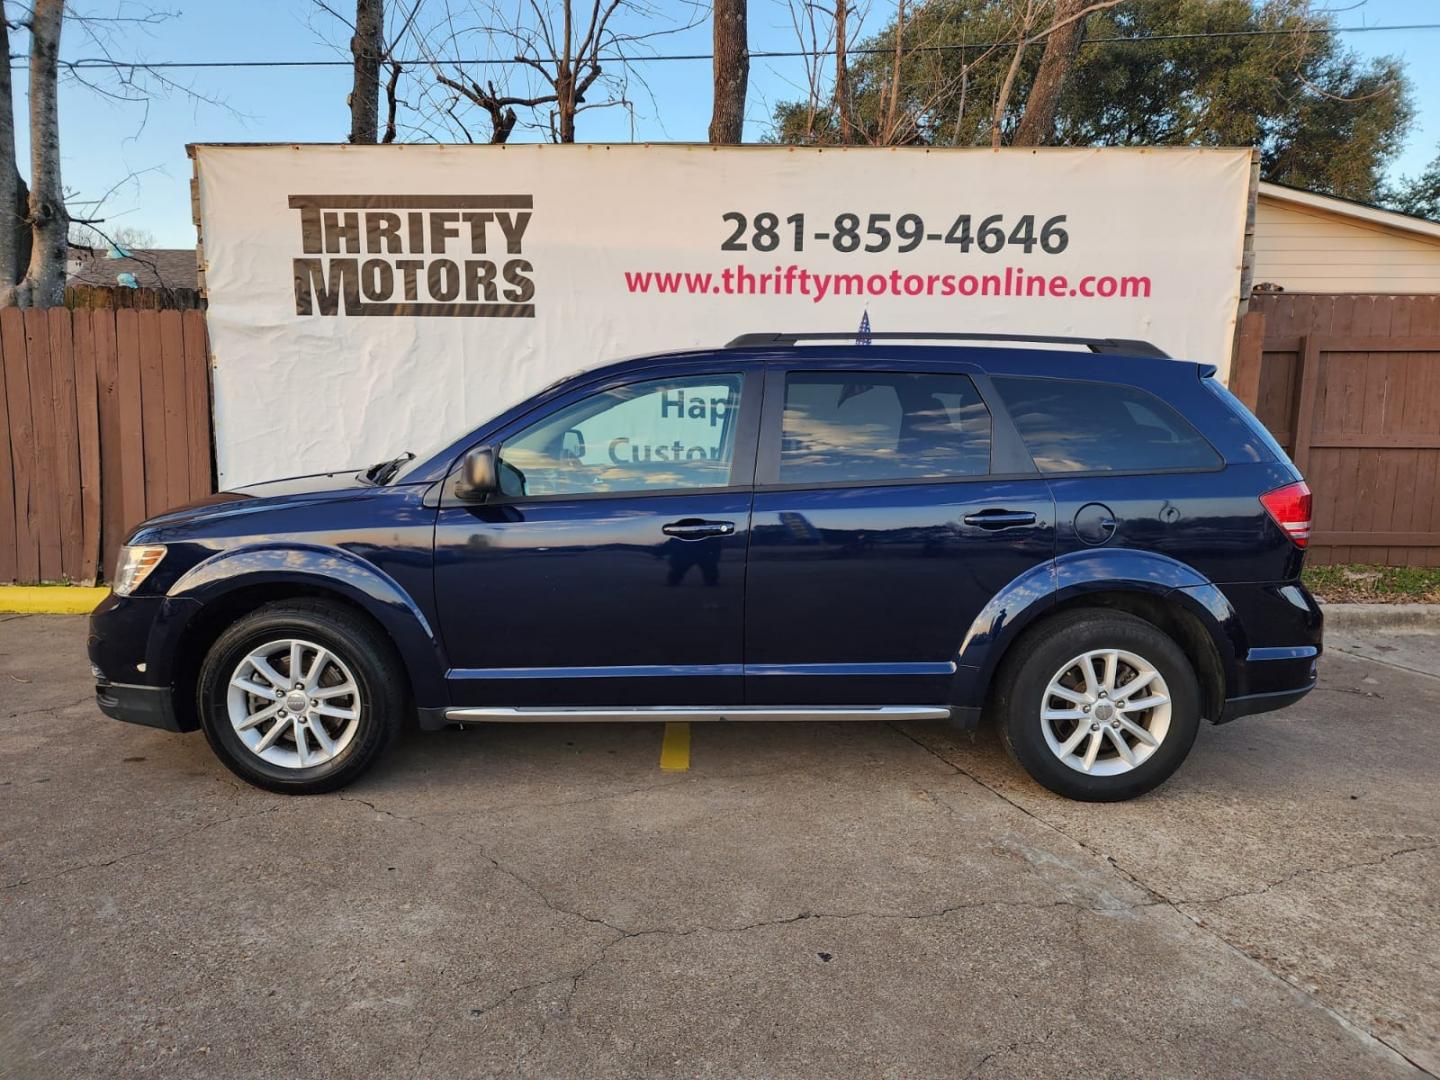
(329, 569)
(1044, 587)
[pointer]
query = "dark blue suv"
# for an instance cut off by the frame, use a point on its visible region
(1095, 550)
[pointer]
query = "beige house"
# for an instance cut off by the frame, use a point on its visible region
(1320, 244)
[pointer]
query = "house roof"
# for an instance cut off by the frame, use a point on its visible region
(169, 268)
(1331, 204)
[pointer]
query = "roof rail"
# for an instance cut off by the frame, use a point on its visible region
(1113, 346)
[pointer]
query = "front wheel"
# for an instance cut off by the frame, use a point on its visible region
(1101, 706)
(300, 696)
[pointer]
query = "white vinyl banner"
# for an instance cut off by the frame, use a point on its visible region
(366, 300)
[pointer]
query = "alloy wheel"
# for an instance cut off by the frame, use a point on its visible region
(294, 704)
(1105, 712)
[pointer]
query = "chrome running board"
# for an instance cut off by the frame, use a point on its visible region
(621, 714)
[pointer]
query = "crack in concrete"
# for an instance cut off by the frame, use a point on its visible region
(1354, 1027)
(604, 797)
(1348, 690)
(576, 977)
(21, 615)
(621, 934)
(1307, 871)
(905, 916)
(430, 1034)
(508, 871)
(1155, 898)
(507, 996)
(1005, 1051)
(38, 710)
(1083, 948)
(125, 856)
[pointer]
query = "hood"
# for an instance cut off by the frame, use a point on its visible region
(298, 485)
(252, 497)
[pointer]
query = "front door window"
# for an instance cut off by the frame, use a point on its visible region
(661, 435)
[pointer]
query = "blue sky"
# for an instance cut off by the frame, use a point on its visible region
(103, 142)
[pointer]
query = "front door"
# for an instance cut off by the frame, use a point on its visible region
(610, 567)
(880, 530)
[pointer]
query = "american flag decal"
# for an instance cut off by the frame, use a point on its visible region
(862, 336)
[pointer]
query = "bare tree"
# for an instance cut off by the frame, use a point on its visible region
(843, 106)
(372, 48)
(1027, 17)
(731, 71)
(573, 63)
(1037, 125)
(44, 284)
(815, 33)
(535, 63)
(34, 222)
(892, 98)
(14, 213)
(823, 31)
(126, 238)
(1068, 13)
(499, 106)
(367, 45)
(563, 53)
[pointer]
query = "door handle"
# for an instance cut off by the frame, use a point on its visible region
(697, 528)
(1000, 519)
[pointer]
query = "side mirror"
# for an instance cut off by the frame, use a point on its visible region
(572, 444)
(477, 477)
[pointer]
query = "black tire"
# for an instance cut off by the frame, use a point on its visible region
(1040, 655)
(363, 649)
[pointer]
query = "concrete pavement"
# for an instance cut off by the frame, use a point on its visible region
(805, 900)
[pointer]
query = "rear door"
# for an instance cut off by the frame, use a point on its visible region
(1128, 470)
(890, 507)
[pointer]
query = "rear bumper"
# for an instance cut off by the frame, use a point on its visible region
(1259, 703)
(1280, 640)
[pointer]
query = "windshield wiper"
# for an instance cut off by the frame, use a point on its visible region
(382, 472)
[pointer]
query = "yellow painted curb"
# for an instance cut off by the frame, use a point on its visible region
(675, 748)
(50, 599)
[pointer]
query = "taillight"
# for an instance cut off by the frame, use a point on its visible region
(1290, 507)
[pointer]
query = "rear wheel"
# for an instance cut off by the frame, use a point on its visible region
(300, 696)
(1099, 706)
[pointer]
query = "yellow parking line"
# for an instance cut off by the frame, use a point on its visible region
(675, 749)
(50, 599)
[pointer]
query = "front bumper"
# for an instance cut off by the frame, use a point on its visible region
(153, 706)
(132, 681)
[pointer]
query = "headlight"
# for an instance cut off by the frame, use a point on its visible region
(133, 567)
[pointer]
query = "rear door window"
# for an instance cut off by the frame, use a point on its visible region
(1082, 426)
(859, 427)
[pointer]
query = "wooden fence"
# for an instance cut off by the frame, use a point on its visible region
(116, 296)
(1350, 385)
(104, 420)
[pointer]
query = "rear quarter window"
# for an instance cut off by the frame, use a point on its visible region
(1070, 425)
(1249, 419)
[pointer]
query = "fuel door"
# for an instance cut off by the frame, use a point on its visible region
(1094, 523)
